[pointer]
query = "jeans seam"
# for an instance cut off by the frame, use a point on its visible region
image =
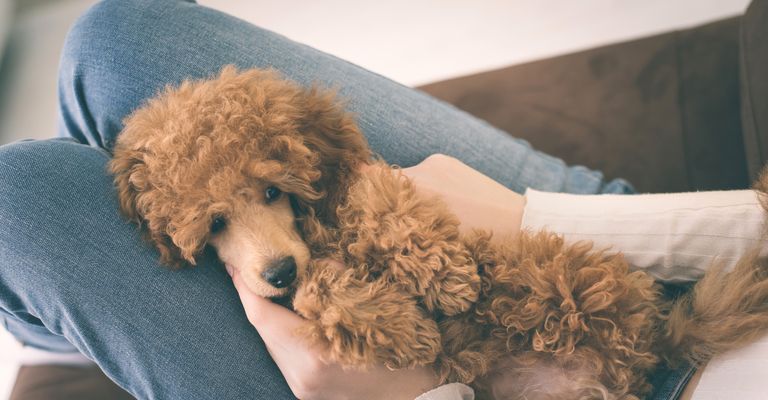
(4, 322)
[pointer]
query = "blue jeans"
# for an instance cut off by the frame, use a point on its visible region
(75, 276)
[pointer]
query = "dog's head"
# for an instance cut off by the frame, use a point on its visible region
(235, 162)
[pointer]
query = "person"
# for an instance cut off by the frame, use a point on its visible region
(76, 277)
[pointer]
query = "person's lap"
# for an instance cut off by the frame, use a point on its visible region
(74, 266)
(102, 80)
(72, 262)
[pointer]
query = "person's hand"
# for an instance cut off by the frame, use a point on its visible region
(478, 201)
(307, 374)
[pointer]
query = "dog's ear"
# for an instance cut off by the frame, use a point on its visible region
(124, 166)
(333, 134)
(130, 177)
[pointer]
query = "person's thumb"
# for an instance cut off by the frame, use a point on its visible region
(276, 324)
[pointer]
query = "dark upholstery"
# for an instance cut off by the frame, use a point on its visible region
(52, 382)
(662, 112)
(754, 84)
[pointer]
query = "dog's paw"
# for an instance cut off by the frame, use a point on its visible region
(399, 235)
(454, 289)
(366, 323)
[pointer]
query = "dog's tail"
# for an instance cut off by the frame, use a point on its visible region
(724, 310)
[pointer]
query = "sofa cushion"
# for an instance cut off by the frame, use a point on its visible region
(54, 382)
(754, 85)
(662, 112)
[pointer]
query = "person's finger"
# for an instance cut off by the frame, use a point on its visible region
(278, 327)
(264, 313)
(276, 324)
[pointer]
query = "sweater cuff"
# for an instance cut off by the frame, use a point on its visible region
(674, 237)
(451, 391)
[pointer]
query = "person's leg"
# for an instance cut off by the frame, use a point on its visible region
(122, 52)
(69, 260)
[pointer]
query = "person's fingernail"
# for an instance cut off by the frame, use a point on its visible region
(230, 271)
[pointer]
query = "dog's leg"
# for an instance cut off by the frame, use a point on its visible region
(410, 240)
(540, 376)
(561, 299)
(364, 323)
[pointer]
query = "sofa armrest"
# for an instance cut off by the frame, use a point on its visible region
(754, 85)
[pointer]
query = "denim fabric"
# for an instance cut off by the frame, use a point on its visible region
(34, 333)
(123, 52)
(71, 266)
(69, 260)
(669, 384)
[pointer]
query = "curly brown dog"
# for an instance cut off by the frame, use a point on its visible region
(267, 174)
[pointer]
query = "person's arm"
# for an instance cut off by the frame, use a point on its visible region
(312, 378)
(674, 237)
(477, 200)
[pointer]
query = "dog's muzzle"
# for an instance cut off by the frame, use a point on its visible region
(281, 272)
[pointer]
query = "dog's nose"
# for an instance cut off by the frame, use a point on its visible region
(281, 272)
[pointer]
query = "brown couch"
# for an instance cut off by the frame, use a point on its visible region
(685, 110)
(663, 112)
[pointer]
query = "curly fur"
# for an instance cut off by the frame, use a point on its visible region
(182, 156)
(566, 320)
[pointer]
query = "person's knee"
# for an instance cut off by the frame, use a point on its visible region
(34, 167)
(117, 54)
(89, 39)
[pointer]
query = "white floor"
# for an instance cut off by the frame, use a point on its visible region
(412, 42)
(9, 350)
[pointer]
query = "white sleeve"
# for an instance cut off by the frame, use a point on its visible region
(451, 391)
(674, 237)
(736, 374)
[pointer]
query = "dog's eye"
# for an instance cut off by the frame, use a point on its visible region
(271, 194)
(218, 224)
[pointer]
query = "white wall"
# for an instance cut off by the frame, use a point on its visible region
(410, 41)
(420, 41)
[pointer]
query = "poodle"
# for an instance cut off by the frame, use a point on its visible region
(268, 175)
